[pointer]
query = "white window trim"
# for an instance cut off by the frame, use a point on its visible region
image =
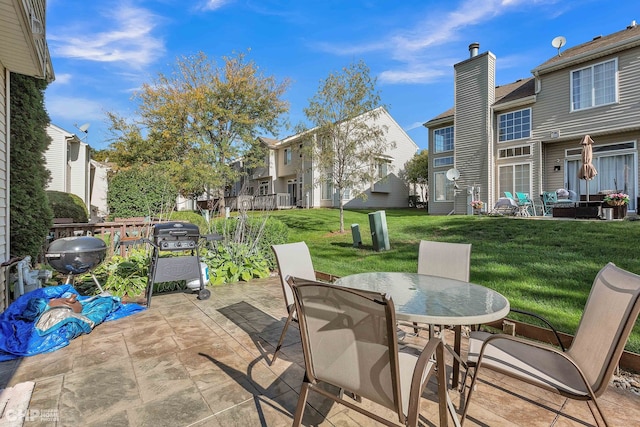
(287, 156)
(446, 200)
(615, 83)
(514, 147)
(435, 150)
(512, 164)
(515, 139)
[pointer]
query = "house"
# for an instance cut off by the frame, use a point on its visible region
(23, 50)
(525, 136)
(68, 159)
(289, 179)
(98, 188)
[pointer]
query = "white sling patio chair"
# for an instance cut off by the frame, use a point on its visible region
(293, 259)
(585, 369)
(349, 341)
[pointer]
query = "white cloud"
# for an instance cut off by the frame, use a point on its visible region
(129, 41)
(414, 125)
(213, 4)
(420, 51)
(63, 78)
(74, 108)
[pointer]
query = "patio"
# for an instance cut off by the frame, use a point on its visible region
(186, 362)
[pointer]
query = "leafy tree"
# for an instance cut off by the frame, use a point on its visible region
(346, 140)
(417, 173)
(198, 118)
(30, 215)
(141, 191)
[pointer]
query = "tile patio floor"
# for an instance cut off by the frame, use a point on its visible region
(185, 362)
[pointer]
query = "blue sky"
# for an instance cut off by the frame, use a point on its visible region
(102, 51)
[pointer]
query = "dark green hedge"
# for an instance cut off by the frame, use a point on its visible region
(30, 214)
(141, 192)
(67, 205)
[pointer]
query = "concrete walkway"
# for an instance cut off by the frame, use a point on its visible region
(185, 362)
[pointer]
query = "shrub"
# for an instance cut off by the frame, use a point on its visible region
(233, 262)
(67, 205)
(192, 217)
(30, 214)
(140, 192)
(261, 232)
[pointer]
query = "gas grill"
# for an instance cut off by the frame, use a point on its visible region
(181, 238)
(176, 236)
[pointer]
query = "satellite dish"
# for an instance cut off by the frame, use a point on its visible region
(453, 174)
(84, 128)
(558, 42)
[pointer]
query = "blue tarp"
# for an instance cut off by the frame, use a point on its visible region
(19, 336)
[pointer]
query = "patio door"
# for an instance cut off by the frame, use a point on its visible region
(515, 179)
(293, 190)
(615, 172)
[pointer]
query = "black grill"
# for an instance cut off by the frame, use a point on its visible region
(175, 236)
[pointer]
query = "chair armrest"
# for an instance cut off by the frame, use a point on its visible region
(421, 373)
(543, 320)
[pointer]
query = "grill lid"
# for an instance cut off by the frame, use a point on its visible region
(76, 255)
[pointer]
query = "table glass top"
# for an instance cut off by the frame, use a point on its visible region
(431, 299)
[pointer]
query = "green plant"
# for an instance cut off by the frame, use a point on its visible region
(141, 192)
(30, 214)
(190, 216)
(67, 205)
(233, 262)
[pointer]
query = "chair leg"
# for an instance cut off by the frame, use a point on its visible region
(281, 340)
(594, 402)
(302, 401)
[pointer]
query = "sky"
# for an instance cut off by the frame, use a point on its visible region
(103, 51)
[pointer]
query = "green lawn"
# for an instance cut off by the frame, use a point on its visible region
(545, 266)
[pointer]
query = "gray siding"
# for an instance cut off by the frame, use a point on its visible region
(4, 144)
(553, 108)
(474, 95)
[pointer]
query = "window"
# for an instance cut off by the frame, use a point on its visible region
(524, 150)
(382, 169)
(443, 161)
(287, 156)
(263, 188)
(443, 191)
(595, 85)
(514, 125)
(443, 139)
(327, 188)
(515, 178)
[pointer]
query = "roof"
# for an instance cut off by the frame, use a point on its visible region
(521, 88)
(598, 46)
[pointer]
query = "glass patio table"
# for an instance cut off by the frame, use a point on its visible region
(434, 300)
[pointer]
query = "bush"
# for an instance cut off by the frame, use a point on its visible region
(192, 217)
(141, 192)
(67, 205)
(30, 214)
(261, 232)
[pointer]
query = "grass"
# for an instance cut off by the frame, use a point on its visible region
(544, 266)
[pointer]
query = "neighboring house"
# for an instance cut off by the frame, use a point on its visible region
(68, 159)
(287, 179)
(525, 136)
(98, 188)
(23, 50)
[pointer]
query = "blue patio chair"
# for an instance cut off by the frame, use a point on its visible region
(549, 199)
(524, 200)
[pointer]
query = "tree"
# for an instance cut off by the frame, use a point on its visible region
(346, 143)
(417, 173)
(30, 215)
(199, 118)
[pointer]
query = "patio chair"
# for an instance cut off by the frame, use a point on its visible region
(584, 370)
(450, 260)
(508, 195)
(525, 201)
(293, 259)
(549, 199)
(349, 341)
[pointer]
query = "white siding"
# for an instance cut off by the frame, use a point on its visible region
(4, 144)
(56, 159)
